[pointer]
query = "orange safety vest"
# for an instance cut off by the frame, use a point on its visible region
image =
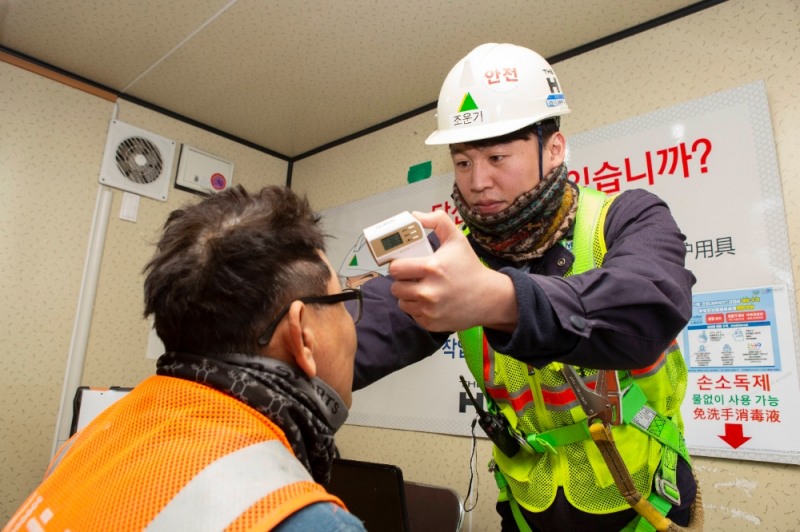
(172, 455)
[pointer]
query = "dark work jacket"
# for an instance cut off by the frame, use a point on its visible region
(620, 316)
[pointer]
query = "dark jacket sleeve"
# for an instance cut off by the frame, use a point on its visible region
(619, 316)
(388, 338)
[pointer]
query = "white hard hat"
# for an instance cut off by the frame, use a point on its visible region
(494, 90)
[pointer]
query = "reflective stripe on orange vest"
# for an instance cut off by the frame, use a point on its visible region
(229, 486)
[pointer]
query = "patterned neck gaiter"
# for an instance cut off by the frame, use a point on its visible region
(307, 410)
(528, 227)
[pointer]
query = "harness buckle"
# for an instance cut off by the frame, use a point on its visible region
(668, 490)
(539, 444)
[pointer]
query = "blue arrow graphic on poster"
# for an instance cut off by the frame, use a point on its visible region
(734, 435)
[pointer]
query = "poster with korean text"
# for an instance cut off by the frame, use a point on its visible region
(713, 161)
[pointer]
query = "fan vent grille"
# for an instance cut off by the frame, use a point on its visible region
(139, 160)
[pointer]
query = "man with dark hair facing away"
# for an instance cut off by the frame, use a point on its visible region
(236, 429)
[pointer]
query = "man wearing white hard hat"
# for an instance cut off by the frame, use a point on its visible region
(567, 303)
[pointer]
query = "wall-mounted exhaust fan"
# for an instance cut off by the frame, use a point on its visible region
(137, 161)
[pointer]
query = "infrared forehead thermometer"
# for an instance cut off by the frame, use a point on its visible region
(399, 236)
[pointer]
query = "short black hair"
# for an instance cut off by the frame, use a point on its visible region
(225, 266)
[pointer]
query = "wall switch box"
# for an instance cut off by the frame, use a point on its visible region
(202, 172)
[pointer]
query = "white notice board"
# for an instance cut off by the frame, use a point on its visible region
(713, 160)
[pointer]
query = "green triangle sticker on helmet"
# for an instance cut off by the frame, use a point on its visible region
(354, 261)
(467, 104)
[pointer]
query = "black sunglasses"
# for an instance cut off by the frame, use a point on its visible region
(347, 294)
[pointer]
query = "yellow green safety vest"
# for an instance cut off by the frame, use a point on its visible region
(542, 408)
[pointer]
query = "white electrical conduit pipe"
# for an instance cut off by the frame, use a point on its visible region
(91, 272)
(83, 317)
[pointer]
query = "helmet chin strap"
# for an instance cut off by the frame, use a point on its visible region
(541, 149)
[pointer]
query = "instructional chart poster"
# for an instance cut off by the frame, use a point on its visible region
(737, 330)
(742, 389)
(713, 161)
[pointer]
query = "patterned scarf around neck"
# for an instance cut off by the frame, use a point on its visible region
(307, 410)
(528, 227)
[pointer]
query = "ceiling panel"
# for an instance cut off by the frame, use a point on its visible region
(110, 43)
(291, 76)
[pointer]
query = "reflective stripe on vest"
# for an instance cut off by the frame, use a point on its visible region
(227, 487)
(562, 397)
(518, 401)
(556, 398)
(653, 368)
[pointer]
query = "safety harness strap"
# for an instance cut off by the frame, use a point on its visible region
(640, 524)
(474, 338)
(547, 441)
(636, 412)
(601, 434)
(505, 496)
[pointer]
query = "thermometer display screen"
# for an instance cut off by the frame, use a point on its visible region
(391, 241)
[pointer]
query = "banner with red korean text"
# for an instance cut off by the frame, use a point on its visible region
(713, 161)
